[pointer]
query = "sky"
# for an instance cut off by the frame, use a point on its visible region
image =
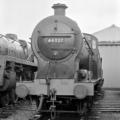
(21, 16)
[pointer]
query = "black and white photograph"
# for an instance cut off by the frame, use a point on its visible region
(59, 59)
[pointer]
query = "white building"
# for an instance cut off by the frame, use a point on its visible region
(109, 46)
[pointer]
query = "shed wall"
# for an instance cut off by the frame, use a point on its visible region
(111, 65)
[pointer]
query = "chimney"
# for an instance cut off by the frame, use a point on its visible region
(59, 9)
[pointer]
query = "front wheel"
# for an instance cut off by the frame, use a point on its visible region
(4, 100)
(82, 107)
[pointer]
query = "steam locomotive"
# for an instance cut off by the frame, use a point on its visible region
(13, 66)
(69, 65)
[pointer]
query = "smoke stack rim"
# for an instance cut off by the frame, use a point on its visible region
(59, 9)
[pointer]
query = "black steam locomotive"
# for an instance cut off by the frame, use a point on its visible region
(69, 65)
(14, 66)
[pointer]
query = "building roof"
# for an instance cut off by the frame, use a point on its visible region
(109, 43)
(111, 34)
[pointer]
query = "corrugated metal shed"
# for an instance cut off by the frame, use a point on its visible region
(109, 46)
(111, 33)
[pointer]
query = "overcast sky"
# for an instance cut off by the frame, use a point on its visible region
(21, 16)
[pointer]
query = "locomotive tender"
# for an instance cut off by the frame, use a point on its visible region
(13, 66)
(69, 64)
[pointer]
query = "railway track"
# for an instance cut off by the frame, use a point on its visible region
(23, 109)
(106, 107)
(109, 103)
